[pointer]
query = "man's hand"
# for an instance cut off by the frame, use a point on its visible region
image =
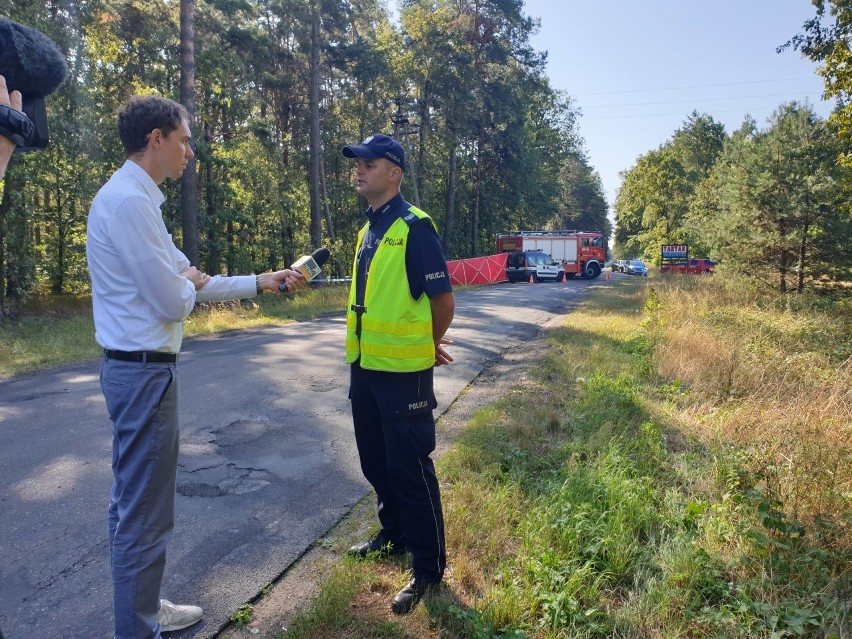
(443, 309)
(270, 281)
(195, 276)
(7, 146)
(441, 355)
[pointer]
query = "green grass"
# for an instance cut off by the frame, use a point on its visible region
(32, 343)
(59, 330)
(691, 479)
(605, 511)
(243, 615)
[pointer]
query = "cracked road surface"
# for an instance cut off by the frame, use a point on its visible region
(268, 463)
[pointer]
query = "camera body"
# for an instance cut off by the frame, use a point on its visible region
(26, 128)
(35, 109)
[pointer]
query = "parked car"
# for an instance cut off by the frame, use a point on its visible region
(636, 267)
(701, 266)
(694, 265)
(538, 265)
(620, 266)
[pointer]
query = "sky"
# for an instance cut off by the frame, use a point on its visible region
(638, 68)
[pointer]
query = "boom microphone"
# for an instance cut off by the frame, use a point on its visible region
(33, 64)
(308, 265)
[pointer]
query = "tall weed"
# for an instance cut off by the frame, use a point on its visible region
(649, 499)
(775, 378)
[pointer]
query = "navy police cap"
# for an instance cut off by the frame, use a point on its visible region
(376, 147)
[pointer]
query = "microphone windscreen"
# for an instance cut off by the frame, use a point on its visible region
(321, 255)
(30, 61)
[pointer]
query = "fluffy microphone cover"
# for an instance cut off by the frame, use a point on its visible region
(30, 61)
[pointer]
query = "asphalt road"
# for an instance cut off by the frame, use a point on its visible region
(268, 463)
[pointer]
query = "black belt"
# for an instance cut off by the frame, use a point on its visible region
(142, 356)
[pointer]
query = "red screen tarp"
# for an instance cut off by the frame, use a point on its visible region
(478, 270)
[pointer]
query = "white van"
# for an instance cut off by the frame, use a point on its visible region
(538, 265)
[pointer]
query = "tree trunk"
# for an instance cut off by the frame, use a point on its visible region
(803, 249)
(421, 140)
(189, 182)
(329, 225)
(316, 135)
(213, 257)
(474, 223)
(451, 199)
(783, 259)
(803, 245)
(231, 252)
(12, 184)
(412, 169)
(61, 246)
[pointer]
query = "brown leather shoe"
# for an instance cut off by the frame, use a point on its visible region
(407, 599)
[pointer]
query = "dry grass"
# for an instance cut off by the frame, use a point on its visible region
(53, 330)
(599, 512)
(774, 378)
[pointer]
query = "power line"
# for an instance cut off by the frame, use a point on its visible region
(667, 115)
(696, 86)
(735, 97)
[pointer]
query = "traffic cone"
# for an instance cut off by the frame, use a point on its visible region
(565, 278)
(531, 279)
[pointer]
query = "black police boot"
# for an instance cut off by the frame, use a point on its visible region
(380, 544)
(407, 599)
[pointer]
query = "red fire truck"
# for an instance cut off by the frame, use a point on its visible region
(579, 252)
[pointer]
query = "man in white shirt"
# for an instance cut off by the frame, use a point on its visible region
(143, 288)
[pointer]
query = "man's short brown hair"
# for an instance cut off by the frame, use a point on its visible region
(144, 113)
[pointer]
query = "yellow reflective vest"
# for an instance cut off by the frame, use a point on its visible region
(396, 329)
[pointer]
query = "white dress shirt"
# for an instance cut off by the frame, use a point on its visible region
(139, 298)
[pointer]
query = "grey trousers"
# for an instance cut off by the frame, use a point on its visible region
(142, 401)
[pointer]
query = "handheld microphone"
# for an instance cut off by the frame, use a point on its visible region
(308, 265)
(32, 64)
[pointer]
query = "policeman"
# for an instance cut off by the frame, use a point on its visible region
(400, 305)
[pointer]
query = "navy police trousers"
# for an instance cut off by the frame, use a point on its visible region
(395, 433)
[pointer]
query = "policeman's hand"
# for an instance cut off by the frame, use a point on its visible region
(441, 355)
(7, 146)
(270, 281)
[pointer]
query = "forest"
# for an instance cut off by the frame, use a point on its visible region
(276, 88)
(770, 202)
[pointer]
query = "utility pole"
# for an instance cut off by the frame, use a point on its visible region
(189, 180)
(402, 127)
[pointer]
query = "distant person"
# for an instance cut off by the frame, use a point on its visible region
(400, 305)
(143, 288)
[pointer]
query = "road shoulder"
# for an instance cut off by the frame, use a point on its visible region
(301, 582)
